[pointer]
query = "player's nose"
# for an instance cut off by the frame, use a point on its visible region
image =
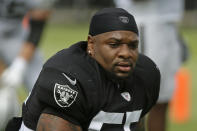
(124, 51)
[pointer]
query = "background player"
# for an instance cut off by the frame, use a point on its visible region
(160, 40)
(20, 59)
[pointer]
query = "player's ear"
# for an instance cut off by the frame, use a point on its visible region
(90, 39)
(90, 46)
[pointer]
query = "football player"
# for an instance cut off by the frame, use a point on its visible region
(102, 84)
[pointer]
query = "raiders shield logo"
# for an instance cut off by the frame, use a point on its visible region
(124, 19)
(64, 95)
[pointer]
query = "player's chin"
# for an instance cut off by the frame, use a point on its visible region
(123, 75)
(123, 72)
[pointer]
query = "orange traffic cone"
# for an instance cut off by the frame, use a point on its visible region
(180, 103)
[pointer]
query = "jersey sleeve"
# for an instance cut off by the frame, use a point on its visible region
(62, 95)
(152, 92)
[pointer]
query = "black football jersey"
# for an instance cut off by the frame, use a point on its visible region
(73, 86)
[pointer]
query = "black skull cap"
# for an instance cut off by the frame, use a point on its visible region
(112, 19)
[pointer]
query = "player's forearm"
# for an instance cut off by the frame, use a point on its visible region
(37, 20)
(49, 122)
(27, 51)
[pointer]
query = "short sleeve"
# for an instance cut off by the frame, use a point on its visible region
(62, 95)
(152, 93)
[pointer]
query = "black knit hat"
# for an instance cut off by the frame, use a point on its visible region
(112, 19)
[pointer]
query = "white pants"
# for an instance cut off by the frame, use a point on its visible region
(11, 40)
(9, 105)
(160, 42)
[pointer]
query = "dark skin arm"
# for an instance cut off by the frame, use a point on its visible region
(49, 122)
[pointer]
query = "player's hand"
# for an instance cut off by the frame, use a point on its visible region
(14, 74)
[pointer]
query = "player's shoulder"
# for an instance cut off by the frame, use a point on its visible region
(67, 90)
(73, 60)
(53, 83)
(68, 71)
(146, 65)
(61, 94)
(145, 61)
(68, 57)
(147, 72)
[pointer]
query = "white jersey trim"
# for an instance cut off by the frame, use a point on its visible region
(114, 118)
(24, 128)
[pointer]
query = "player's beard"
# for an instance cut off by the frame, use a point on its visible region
(122, 69)
(113, 75)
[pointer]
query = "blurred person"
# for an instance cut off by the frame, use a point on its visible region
(100, 84)
(161, 41)
(20, 59)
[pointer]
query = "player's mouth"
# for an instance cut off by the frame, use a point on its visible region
(124, 66)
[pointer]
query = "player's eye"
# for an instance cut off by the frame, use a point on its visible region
(114, 45)
(133, 45)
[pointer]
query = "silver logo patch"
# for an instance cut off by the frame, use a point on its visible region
(124, 19)
(64, 95)
(126, 96)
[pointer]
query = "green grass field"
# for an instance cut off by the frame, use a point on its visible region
(57, 37)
